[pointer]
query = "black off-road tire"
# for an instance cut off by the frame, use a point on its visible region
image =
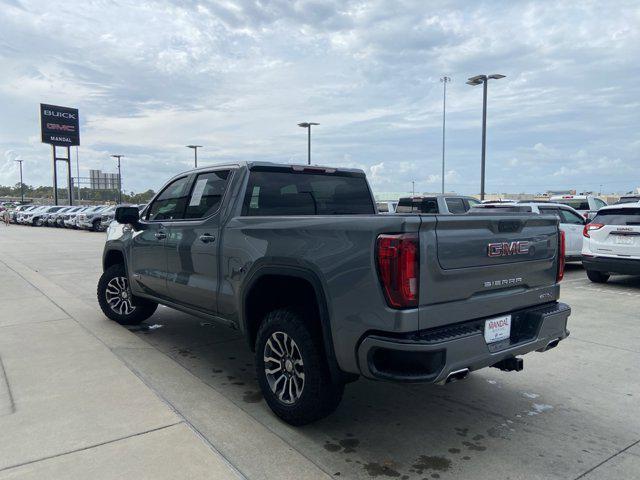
(597, 277)
(115, 279)
(320, 395)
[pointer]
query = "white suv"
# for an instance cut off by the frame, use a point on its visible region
(612, 242)
(587, 205)
(570, 221)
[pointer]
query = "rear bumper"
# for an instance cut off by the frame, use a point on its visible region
(430, 356)
(625, 266)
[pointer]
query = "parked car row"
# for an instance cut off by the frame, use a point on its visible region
(606, 239)
(93, 217)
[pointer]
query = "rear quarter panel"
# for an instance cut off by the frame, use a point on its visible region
(338, 250)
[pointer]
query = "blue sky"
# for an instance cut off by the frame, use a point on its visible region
(237, 77)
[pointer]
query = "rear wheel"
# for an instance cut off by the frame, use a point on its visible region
(38, 222)
(292, 371)
(116, 300)
(597, 277)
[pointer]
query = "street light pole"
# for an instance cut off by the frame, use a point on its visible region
(195, 153)
(118, 157)
(21, 184)
(307, 125)
(444, 81)
(484, 80)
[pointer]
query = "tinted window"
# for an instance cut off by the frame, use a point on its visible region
(567, 216)
(575, 203)
(405, 205)
(417, 205)
(455, 205)
(507, 208)
(550, 210)
(171, 202)
(206, 194)
(302, 193)
(628, 200)
(618, 216)
(599, 203)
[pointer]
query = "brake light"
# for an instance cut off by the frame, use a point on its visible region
(397, 256)
(589, 227)
(561, 255)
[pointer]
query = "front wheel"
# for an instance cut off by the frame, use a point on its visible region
(292, 370)
(116, 300)
(597, 277)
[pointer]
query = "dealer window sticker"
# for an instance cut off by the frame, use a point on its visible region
(198, 190)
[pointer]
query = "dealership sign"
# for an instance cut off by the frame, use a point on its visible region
(59, 125)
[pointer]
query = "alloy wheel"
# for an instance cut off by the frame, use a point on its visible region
(118, 296)
(284, 367)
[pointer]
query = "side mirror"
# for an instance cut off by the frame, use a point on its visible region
(127, 215)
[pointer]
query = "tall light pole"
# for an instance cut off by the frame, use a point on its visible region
(118, 157)
(195, 153)
(78, 172)
(444, 81)
(307, 125)
(484, 80)
(21, 184)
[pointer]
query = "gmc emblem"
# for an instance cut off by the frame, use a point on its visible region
(506, 249)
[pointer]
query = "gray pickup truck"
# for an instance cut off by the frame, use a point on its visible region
(325, 290)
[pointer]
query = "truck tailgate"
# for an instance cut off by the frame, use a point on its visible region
(485, 264)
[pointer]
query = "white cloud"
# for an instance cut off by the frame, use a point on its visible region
(237, 76)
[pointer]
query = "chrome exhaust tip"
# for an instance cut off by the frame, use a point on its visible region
(457, 375)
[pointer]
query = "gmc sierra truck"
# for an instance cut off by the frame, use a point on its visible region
(324, 289)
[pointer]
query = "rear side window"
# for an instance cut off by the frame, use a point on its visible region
(567, 216)
(599, 203)
(206, 194)
(618, 216)
(455, 205)
(383, 207)
(302, 193)
(550, 211)
(171, 202)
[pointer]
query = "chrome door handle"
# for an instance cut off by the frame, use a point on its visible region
(207, 238)
(160, 235)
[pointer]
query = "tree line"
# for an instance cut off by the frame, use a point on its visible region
(89, 194)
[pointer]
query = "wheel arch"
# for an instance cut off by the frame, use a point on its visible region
(249, 314)
(113, 256)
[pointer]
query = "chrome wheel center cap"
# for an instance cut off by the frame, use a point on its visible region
(288, 365)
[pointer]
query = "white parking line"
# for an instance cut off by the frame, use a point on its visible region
(626, 293)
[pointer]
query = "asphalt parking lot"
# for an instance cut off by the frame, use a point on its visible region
(573, 412)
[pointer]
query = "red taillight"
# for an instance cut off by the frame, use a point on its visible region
(591, 226)
(399, 268)
(561, 254)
